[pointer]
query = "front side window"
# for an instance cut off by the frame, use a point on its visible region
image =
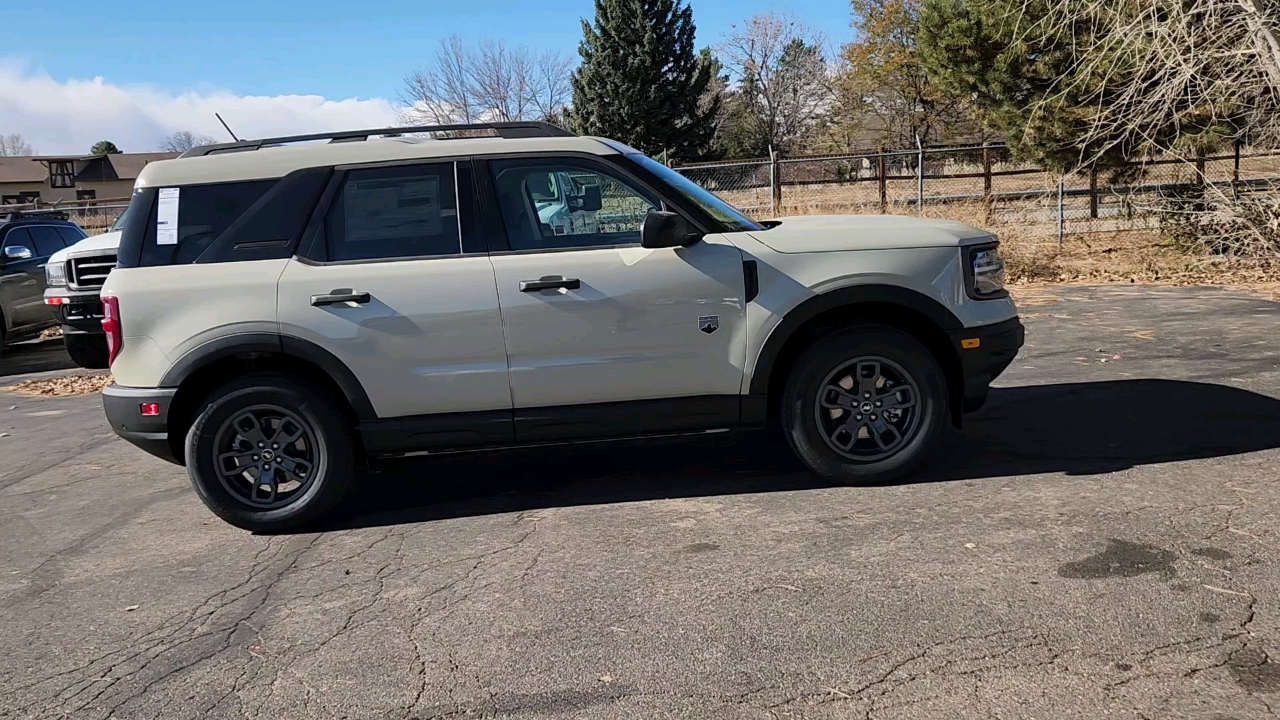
(553, 203)
(397, 212)
(20, 237)
(729, 216)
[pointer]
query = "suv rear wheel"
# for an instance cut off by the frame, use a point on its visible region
(270, 453)
(865, 405)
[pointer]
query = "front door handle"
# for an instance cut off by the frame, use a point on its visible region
(550, 283)
(336, 297)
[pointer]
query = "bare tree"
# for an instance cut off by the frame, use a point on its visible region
(184, 140)
(1175, 77)
(779, 75)
(493, 81)
(14, 146)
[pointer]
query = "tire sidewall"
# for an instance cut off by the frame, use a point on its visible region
(87, 351)
(800, 397)
(334, 460)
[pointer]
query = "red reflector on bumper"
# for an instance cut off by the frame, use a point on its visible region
(55, 301)
(149, 409)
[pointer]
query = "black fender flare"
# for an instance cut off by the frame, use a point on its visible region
(796, 318)
(276, 344)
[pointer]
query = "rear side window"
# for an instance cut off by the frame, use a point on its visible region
(48, 241)
(396, 212)
(203, 213)
(70, 235)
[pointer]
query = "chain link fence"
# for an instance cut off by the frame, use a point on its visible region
(982, 180)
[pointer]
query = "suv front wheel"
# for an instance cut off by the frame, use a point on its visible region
(865, 405)
(270, 453)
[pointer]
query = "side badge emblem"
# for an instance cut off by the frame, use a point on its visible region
(709, 323)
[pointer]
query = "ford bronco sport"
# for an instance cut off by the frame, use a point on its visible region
(281, 312)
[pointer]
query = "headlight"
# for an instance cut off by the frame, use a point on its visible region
(55, 274)
(987, 272)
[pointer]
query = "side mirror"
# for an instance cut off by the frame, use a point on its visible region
(17, 252)
(590, 200)
(663, 229)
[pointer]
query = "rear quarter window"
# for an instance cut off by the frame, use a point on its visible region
(224, 222)
(204, 213)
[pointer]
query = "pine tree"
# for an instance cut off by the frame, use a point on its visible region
(641, 81)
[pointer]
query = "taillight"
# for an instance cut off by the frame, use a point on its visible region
(111, 326)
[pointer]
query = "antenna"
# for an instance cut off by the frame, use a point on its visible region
(224, 124)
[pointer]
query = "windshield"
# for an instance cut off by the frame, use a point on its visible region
(728, 215)
(119, 223)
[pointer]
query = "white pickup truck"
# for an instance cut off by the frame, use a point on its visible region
(73, 281)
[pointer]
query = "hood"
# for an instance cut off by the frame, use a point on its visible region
(106, 241)
(834, 233)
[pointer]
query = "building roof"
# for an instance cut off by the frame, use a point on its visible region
(129, 165)
(35, 169)
(22, 170)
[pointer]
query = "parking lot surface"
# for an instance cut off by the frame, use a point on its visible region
(1101, 540)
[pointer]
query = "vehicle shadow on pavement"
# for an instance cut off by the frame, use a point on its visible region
(1077, 429)
(34, 356)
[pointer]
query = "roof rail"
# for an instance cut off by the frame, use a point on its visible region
(508, 130)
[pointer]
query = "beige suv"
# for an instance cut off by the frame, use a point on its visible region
(281, 312)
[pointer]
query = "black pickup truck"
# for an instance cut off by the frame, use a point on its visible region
(27, 240)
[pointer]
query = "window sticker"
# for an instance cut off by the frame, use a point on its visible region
(167, 217)
(379, 209)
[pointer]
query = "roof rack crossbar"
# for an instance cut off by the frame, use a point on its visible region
(509, 130)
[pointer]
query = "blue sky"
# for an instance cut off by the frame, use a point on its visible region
(337, 50)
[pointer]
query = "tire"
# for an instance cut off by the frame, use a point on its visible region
(321, 461)
(87, 351)
(832, 366)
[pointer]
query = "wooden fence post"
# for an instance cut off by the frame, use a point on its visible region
(1235, 172)
(1062, 209)
(1093, 192)
(775, 180)
(988, 198)
(919, 177)
(884, 185)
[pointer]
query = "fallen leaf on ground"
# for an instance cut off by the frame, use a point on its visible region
(62, 386)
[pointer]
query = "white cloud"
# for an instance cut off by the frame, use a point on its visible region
(69, 116)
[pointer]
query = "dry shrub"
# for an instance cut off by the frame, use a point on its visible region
(1029, 243)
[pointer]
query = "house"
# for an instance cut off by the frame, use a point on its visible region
(50, 180)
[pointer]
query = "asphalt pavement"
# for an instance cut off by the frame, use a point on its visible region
(1099, 541)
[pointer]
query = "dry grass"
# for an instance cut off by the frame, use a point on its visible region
(62, 386)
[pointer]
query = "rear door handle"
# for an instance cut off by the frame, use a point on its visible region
(336, 297)
(550, 283)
